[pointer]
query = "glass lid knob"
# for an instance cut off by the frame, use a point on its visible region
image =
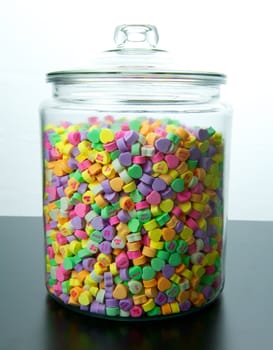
(136, 36)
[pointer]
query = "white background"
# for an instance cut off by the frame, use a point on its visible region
(233, 37)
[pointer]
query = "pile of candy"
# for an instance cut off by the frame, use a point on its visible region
(133, 216)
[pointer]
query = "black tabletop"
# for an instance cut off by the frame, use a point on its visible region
(242, 318)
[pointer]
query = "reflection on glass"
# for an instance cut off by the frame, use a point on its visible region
(196, 331)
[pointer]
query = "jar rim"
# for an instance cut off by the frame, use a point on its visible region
(88, 76)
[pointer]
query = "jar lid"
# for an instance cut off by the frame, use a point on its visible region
(135, 57)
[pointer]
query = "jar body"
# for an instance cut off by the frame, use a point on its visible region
(135, 201)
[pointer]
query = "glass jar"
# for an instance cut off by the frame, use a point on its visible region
(135, 183)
